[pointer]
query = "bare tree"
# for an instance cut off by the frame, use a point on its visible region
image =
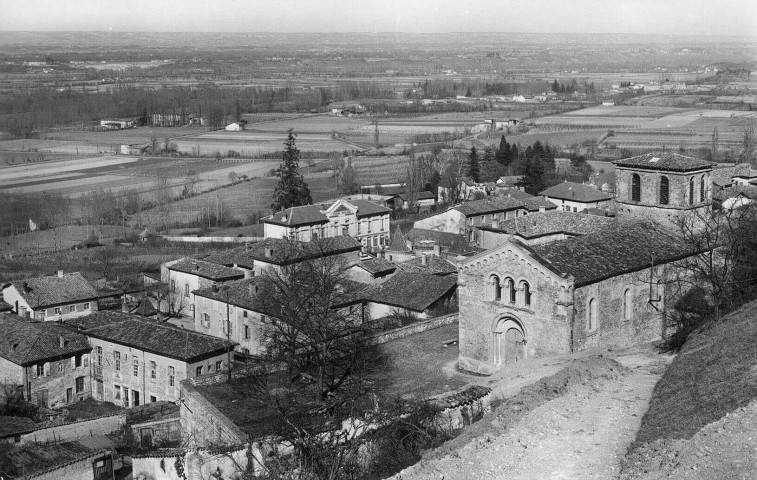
(749, 146)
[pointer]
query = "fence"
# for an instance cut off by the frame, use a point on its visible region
(195, 239)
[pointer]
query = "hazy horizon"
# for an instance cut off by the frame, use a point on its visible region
(727, 18)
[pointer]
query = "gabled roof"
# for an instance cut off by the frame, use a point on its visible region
(434, 265)
(489, 205)
(421, 196)
(547, 223)
(281, 251)
(410, 290)
(722, 176)
(367, 208)
(614, 250)
(204, 269)
(668, 161)
(11, 426)
(26, 342)
(513, 193)
(576, 192)
(44, 292)
(151, 336)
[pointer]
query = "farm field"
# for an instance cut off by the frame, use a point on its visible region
(547, 136)
(59, 238)
(380, 170)
(253, 143)
(237, 201)
(75, 178)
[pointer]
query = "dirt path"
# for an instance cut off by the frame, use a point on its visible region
(581, 435)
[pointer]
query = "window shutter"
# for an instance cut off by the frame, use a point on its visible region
(73, 362)
(47, 369)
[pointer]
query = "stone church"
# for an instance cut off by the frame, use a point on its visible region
(607, 288)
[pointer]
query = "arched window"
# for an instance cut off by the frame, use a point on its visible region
(627, 303)
(526, 293)
(510, 284)
(496, 288)
(702, 190)
(691, 191)
(592, 314)
(664, 191)
(635, 188)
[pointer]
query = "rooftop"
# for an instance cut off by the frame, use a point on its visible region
(314, 214)
(613, 250)
(398, 243)
(247, 294)
(282, 251)
(577, 192)
(546, 223)
(10, 426)
(410, 290)
(44, 292)
(377, 266)
(26, 342)
(489, 205)
(434, 265)
(534, 204)
(151, 336)
(668, 161)
(205, 269)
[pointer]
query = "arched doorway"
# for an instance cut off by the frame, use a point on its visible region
(509, 341)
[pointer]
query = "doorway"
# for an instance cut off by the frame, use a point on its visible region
(509, 342)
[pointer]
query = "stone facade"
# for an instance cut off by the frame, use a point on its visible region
(13, 297)
(247, 326)
(619, 310)
(202, 424)
(543, 322)
(130, 377)
(51, 384)
(649, 205)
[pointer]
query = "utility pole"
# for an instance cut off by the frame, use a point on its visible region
(228, 335)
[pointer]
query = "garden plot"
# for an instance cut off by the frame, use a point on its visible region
(626, 111)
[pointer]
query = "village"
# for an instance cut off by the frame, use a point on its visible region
(505, 275)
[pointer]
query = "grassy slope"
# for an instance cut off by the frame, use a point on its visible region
(714, 374)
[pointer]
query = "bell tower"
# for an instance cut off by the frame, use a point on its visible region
(662, 186)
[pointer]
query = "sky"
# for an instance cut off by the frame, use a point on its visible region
(676, 17)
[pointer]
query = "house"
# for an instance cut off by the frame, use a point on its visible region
(54, 297)
(49, 362)
(363, 220)
(576, 197)
(428, 263)
(605, 289)
(465, 218)
(442, 244)
(234, 127)
(415, 293)
(541, 228)
(400, 249)
(136, 361)
(11, 428)
(510, 181)
(372, 270)
(182, 276)
(662, 186)
(132, 149)
(744, 174)
(424, 201)
(234, 312)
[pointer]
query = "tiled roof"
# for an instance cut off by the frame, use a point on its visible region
(614, 250)
(366, 208)
(489, 205)
(201, 268)
(747, 191)
(668, 161)
(313, 214)
(145, 308)
(248, 294)
(303, 215)
(25, 342)
(283, 251)
(5, 307)
(377, 266)
(722, 176)
(43, 292)
(744, 170)
(576, 192)
(10, 426)
(534, 204)
(151, 336)
(546, 223)
(434, 265)
(398, 243)
(411, 290)
(421, 196)
(516, 193)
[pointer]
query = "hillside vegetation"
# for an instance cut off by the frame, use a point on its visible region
(714, 375)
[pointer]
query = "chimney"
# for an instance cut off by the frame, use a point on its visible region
(247, 246)
(25, 286)
(495, 223)
(424, 261)
(437, 250)
(215, 287)
(60, 273)
(253, 289)
(61, 341)
(268, 252)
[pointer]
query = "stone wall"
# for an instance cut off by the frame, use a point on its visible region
(198, 464)
(417, 327)
(75, 430)
(484, 320)
(202, 424)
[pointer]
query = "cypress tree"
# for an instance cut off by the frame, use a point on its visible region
(474, 169)
(292, 191)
